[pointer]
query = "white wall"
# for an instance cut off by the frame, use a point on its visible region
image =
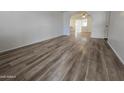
(99, 22)
(116, 33)
(107, 23)
(98, 25)
(22, 28)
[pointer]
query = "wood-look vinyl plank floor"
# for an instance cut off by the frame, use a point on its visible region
(62, 58)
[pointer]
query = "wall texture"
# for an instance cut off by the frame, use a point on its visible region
(22, 28)
(98, 23)
(116, 33)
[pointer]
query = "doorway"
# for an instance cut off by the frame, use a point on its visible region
(81, 25)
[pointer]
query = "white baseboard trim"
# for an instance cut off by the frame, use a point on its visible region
(116, 53)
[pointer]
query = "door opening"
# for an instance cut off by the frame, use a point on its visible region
(80, 25)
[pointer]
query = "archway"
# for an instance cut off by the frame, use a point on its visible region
(81, 25)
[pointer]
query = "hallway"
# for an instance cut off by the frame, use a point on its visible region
(62, 58)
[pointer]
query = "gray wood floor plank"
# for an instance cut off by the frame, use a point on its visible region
(62, 58)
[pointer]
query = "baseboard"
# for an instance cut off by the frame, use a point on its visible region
(122, 61)
(7, 50)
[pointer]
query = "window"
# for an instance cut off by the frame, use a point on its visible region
(84, 22)
(78, 25)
